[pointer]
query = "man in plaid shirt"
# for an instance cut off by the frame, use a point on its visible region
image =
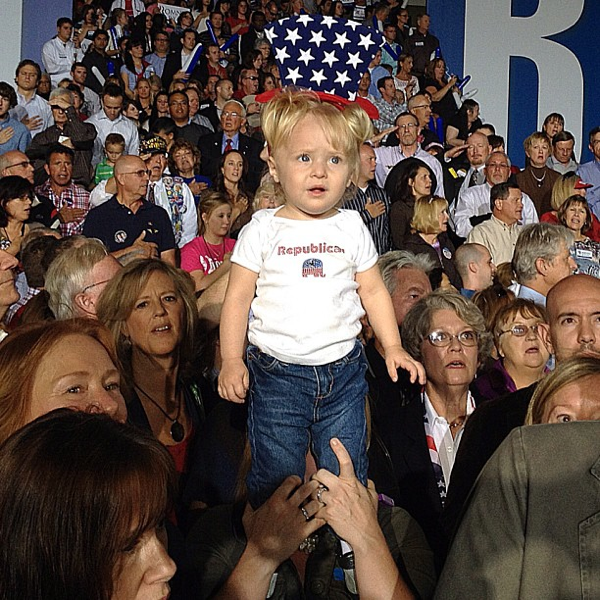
(71, 201)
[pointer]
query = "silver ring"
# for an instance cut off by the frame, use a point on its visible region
(305, 513)
(322, 488)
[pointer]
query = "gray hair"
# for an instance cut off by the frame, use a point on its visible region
(391, 262)
(502, 154)
(63, 93)
(417, 323)
(539, 240)
(67, 276)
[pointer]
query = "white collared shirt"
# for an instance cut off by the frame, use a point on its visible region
(37, 107)
(389, 156)
(104, 126)
(447, 446)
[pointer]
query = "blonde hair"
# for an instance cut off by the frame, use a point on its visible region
(536, 136)
(266, 190)
(286, 110)
(426, 215)
(568, 371)
(122, 292)
(209, 203)
(563, 188)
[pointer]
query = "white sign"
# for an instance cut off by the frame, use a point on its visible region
(171, 12)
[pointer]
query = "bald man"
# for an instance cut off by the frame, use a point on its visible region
(130, 226)
(573, 329)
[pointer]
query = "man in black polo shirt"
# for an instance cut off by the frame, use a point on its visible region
(130, 226)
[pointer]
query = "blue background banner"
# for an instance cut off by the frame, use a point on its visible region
(527, 58)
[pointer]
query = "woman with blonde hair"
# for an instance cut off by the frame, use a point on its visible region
(569, 393)
(150, 308)
(430, 225)
(570, 184)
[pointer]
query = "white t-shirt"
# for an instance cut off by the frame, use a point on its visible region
(307, 309)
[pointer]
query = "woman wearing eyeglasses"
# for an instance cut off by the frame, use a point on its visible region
(521, 351)
(446, 333)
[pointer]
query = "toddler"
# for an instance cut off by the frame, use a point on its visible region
(306, 269)
(114, 146)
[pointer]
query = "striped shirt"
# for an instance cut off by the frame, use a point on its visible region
(379, 227)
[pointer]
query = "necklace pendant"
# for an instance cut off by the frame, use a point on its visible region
(177, 431)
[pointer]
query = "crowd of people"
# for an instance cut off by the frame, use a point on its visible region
(256, 342)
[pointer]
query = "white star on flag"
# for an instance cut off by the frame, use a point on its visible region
(305, 19)
(329, 21)
(317, 38)
(342, 78)
(294, 75)
(271, 35)
(341, 39)
(292, 36)
(305, 56)
(281, 54)
(330, 58)
(365, 41)
(317, 76)
(354, 59)
(352, 24)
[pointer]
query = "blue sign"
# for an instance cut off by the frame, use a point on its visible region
(527, 58)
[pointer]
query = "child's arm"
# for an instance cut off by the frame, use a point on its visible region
(233, 378)
(378, 306)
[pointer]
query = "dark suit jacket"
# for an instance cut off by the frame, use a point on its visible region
(210, 112)
(210, 148)
(484, 432)
(400, 435)
(172, 65)
(416, 244)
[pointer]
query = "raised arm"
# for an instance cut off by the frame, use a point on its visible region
(233, 378)
(378, 306)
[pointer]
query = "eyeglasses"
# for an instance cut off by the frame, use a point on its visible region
(441, 339)
(226, 113)
(23, 163)
(407, 126)
(422, 106)
(497, 166)
(92, 285)
(521, 330)
(251, 78)
(60, 109)
(139, 173)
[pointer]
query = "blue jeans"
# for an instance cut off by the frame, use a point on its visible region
(292, 406)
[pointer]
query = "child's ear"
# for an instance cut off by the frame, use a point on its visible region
(273, 169)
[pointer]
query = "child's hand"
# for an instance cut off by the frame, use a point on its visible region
(233, 380)
(397, 357)
(374, 209)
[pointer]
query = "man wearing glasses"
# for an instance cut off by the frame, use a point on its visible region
(388, 157)
(128, 225)
(213, 146)
(248, 84)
